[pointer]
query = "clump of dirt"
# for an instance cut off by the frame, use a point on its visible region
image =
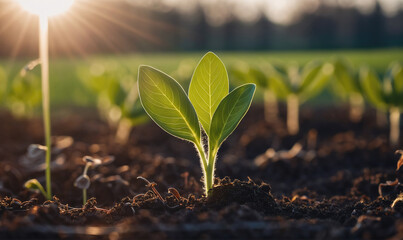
(226, 192)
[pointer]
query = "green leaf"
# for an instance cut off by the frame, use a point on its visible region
(33, 184)
(166, 103)
(372, 87)
(346, 76)
(396, 71)
(309, 75)
(258, 77)
(317, 83)
(229, 113)
(208, 87)
(277, 80)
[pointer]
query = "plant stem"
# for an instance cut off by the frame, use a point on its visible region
(84, 196)
(211, 167)
(293, 114)
(205, 167)
(44, 57)
(270, 107)
(356, 107)
(123, 131)
(394, 126)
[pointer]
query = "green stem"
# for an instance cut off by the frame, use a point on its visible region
(210, 169)
(293, 114)
(270, 106)
(204, 165)
(44, 56)
(84, 196)
(394, 126)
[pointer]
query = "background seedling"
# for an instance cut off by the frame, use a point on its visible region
(386, 93)
(246, 73)
(296, 84)
(24, 92)
(3, 85)
(83, 181)
(117, 96)
(347, 85)
(36, 151)
(209, 105)
(33, 184)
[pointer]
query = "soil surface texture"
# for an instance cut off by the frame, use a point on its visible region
(334, 180)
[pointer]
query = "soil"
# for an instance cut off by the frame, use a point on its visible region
(326, 187)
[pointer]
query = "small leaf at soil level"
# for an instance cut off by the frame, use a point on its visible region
(166, 103)
(208, 87)
(229, 113)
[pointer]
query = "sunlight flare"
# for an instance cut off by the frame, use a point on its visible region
(46, 7)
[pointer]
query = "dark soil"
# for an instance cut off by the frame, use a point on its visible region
(328, 189)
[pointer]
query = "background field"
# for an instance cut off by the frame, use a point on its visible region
(68, 90)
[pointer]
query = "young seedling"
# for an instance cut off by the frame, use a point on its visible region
(117, 96)
(296, 84)
(36, 151)
(209, 105)
(348, 79)
(83, 181)
(249, 74)
(386, 94)
(23, 96)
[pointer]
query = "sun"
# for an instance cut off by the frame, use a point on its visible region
(46, 7)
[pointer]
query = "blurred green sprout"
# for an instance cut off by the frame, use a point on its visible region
(251, 74)
(117, 95)
(385, 92)
(348, 86)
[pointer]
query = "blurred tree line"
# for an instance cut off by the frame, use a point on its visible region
(121, 27)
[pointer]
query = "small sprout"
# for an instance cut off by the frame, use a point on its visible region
(347, 86)
(118, 103)
(217, 112)
(385, 93)
(92, 161)
(82, 182)
(34, 185)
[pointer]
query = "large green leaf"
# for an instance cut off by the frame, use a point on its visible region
(229, 113)
(166, 103)
(208, 87)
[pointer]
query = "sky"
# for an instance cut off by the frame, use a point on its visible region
(282, 12)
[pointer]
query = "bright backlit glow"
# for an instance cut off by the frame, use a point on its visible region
(46, 7)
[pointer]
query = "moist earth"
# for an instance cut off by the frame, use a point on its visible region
(323, 183)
